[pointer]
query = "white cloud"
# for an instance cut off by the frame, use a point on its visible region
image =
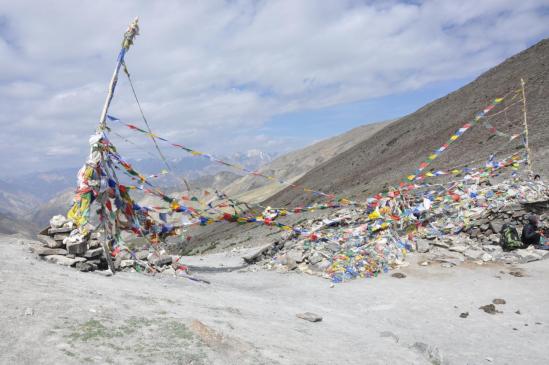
(211, 73)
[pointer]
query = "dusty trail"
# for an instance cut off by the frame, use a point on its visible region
(56, 315)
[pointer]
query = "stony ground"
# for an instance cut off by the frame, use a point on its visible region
(56, 315)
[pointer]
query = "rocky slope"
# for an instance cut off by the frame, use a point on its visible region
(397, 150)
(294, 165)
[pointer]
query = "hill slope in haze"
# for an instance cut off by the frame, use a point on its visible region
(397, 150)
(294, 165)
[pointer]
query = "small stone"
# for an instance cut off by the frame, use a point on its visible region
(518, 312)
(499, 301)
(489, 359)
(518, 274)
(84, 266)
(473, 254)
(160, 260)
(58, 221)
(526, 256)
(94, 252)
(489, 308)
(487, 257)
(308, 316)
(168, 272)
(44, 251)
(422, 246)
(127, 263)
(447, 265)
(496, 226)
(459, 248)
(52, 231)
(60, 260)
(142, 255)
(440, 243)
(48, 241)
(76, 248)
(398, 275)
(464, 315)
(29, 311)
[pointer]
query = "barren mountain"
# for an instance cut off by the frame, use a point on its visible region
(396, 151)
(294, 165)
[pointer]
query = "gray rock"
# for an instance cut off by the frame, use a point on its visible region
(475, 232)
(94, 244)
(85, 266)
(440, 243)
(315, 258)
(494, 250)
(422, 246)
(160, 260)
(60, 260)
(169, 272)
(308, 316)
(48, 241)
(94, 252)
(142, 255)
(527, 255)
(459, 248)
(473, 254)
(60, 237)
(127, 263)
(332, 246)
(52, 231)
(295, 255)
(496, 226)
(484, 227)
(45, 251)
(77, 248)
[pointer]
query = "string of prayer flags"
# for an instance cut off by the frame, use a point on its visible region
(433, 156)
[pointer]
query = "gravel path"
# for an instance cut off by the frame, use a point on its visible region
(56, 315)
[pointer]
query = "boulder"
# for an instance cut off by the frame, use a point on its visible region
(494, 250)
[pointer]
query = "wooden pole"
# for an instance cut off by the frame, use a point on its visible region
(526, 145)
(129, 36)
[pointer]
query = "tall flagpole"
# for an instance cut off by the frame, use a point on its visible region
(129, 36)
(526, 145)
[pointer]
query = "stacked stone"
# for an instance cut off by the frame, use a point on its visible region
(64, 245)
(61, 243)
(492, 220)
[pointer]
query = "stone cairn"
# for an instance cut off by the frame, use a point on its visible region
(62, 244)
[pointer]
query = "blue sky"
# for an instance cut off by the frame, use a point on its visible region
(231, 76)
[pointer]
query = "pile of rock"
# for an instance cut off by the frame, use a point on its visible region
(64, 245)
(452, 250)
(490, 222)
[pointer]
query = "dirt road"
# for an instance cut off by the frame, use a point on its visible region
(56, 315)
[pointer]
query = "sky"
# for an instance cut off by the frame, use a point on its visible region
(231, 76)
